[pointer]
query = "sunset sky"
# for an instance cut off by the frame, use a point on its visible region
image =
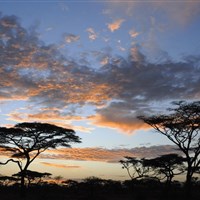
(94, 66)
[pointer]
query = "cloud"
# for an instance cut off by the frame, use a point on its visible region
(120, 89)
(115, 25)
(101, 154)
(176, 12)
(50, 116)
(138, 85)
(106, 11)
(92, 34)
(107, 155)
(121, 48)
(133, 33)
(180, 12)
(136, 55)
(33, 71)
(69, 38)
(60, 165)
(53, 115)
(49, 29)
(126, 124)
(104, 60)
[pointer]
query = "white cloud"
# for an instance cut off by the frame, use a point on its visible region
(133, 33)
(69, 38)
(92, 34)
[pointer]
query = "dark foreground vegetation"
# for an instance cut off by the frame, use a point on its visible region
(98, 189)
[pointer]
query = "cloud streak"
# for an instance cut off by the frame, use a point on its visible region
(133, 33)
(60, 165)
(107, 155)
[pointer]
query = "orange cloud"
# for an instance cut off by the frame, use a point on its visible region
(60, 166)
(53, 115)
(49, 116)
(107, 155)
(126, 125)
(99, 154)
(38, 73)
(115, 25)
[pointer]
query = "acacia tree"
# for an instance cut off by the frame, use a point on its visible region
(7, 180)
(33, 176)
(182, 126)
(166, 167)
(135, 167)
(26, 141)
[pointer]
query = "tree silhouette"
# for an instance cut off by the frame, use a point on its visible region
(26, 141)
(181, 125)
(70, 183)
(166, 167)
(33, 176)
(135, 167)
(7, 180)
(93, 184)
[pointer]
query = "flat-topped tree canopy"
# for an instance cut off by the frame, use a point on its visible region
(27, 140)
(28, 137)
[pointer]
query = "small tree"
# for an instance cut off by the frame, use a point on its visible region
(93, 184)
(136, 170)
(7, 180)
(166, 167)
(26, 141)
(182, 126)
(135, 167)
(33, 176)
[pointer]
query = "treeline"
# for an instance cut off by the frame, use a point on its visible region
(95, 188)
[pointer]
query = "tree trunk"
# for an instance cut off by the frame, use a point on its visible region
(22, 185)
(167, 187)
(188, 183)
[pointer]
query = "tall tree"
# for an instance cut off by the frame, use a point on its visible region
(26, 141)
(181, 125)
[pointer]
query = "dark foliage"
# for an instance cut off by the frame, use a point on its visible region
(101, 190)
(182, 126)
(26, 141)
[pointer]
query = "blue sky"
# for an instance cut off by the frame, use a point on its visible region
(94, 66)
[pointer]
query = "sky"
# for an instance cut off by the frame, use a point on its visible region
(94, 66)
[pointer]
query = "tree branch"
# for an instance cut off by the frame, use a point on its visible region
(12, 160)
